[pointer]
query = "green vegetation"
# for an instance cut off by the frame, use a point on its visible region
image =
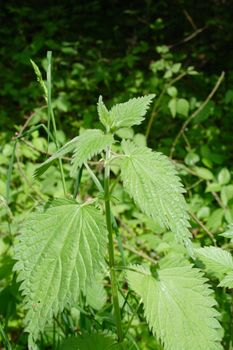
(116, 190)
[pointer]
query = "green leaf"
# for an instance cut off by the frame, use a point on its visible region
(172, 104)
(132, 112)
(96, 295)
(176, 67)
(191, 158)
(191, 71)
(203, 173)
(40, 79)
(215, 220)
(172, 91)
(96, 341)
(229, 96)
(178, 306)
(151, 180)
(226, 194)
(168, 74)
(59, 252)
(6, 265)
(217, 261)
(205, 113)
(228, 233)
(228, 215)
(85, 146)
(139, 140)
(125, 133)
(182, 107)
(90, 143)
(224, 176)
(67, 148)
(227, 281)
(213, 187)
(103, 113)
(203, 212)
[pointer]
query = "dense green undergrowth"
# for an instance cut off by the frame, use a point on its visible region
(63, 280)
(188, 120)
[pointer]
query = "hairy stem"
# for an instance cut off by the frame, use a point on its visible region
(114, 223)
(117, 311)
(51, 116)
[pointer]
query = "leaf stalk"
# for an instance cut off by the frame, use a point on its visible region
(117, 311)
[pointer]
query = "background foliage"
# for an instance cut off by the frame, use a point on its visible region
(174, 49)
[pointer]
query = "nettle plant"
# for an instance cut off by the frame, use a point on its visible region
(66, 245)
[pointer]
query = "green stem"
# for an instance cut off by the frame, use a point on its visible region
(131, 320)
(77, 182)
(94, 178)
(9, 173)
(119, 240)
(114, 223)
(51, 115)
(111, 250)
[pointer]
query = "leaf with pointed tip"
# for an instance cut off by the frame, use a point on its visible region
(90, 143)
(59, 252)
(40, 79)
(151, 180)
(227, 281)
(178, 306)
(103, 112)
(85, 146)
(132, 112)
(67, 148)
(217, 261)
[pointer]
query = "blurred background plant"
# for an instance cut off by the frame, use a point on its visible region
(175, 49)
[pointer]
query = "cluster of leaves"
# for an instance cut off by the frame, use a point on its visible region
(202, 158)
(62, 246)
